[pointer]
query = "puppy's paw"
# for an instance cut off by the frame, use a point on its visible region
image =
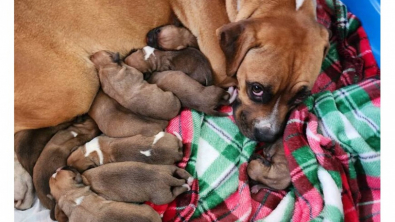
(23, 187)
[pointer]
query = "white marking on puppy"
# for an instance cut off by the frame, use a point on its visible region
(299, 4)
(146, 153)
(187, 186)
(268, 122)
(93, 146)
(158, 137)
(148, 52)
(54, 175)
(79, 200)
(74, 133)
(177, 135)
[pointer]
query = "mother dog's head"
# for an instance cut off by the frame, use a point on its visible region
(276, 59)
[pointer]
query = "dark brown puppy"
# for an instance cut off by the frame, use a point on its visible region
(126, 85)
(55, 155)
(115, 120)
(192, 94)
(272, 169)
(190, 61)
(28, 144)
(138, 182)
(76, 202)
(163, 148)
(171, 37)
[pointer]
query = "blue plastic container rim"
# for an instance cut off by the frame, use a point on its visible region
(368, 11)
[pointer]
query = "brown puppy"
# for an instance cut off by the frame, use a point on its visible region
(163, 148)
(171, 37)
(192, 94)
(127, 86)
(190, 61)
(55, 155)
(276, 49)
(28, 144)
(116, 121)
(138, 182)
(76, 202)
(271, 170)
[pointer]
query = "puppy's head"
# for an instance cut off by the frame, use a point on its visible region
(140, 59)
(277, 61)
(171, 37)
(64, 179)
(102, 58)
(79, 161)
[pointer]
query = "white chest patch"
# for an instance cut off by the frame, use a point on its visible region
(148, 52)
(74, 133)
(299, 3)
(93, 146)
(79, 200)
(158, 137)
(146, 153)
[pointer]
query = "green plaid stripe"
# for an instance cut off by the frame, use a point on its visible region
(218, 149)
(349, 117)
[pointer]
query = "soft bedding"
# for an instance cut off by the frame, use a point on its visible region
(331, 141)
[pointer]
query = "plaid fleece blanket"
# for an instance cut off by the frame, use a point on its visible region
(332, 144)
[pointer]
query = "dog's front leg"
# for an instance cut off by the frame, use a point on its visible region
(203, 18)
(23, 187)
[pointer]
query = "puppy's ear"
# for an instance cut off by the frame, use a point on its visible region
(236, 39)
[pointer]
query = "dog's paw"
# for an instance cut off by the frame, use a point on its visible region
(23, 187)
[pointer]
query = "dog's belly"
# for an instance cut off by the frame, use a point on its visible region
(54, 78)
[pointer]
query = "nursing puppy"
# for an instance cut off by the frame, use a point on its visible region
(192, 94)
(29, 144)
(138, 182)
(76, 202)
(127, 86)
(163, 148)
(171, 37)
(271, 170)
(115, 120)
(55, 155)
(190, 61)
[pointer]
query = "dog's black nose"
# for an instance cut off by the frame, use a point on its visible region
(265, 135)
(152, 37)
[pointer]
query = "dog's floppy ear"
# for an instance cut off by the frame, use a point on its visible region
(236, 39)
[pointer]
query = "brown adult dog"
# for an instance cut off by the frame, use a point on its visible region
(76, 202)
(138, 182)
(275, 47)
(163, 148)
(116, 121)
(55, 155)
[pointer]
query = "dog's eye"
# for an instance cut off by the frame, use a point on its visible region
(257, 90)
(259, 93)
